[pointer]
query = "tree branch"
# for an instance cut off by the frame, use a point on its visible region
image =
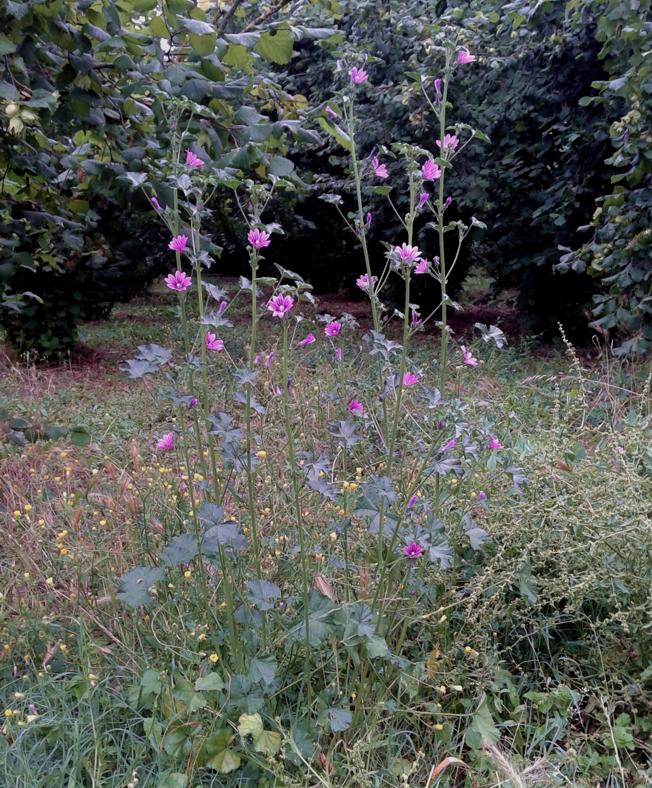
(227, 16)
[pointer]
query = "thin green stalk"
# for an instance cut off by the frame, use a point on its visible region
(443, 349)
(251, 498)
(294, 471)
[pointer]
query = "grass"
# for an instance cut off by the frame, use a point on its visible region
(529, 663)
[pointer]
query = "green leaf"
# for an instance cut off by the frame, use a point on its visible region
(172, 780)
(7, 46)
(203, 45)
(336, 132)
(263, 594)
(209, 683)
(276, 45)
(133, 586)
(224, 762)
(482, 729)
(268, 742)
(250, 725)
(79, 436)
(197, 27)
(280, 166)
(263, 669)
(339, 719)
(158, 27)
(238, 56)
(179, 550)
(376, 647)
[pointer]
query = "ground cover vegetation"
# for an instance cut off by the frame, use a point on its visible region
(255, 539)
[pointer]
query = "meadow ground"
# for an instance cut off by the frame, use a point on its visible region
(529, 663)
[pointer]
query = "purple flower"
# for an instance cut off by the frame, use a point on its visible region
(367, 219)
(192, 402)
(447, 202)
(221, 307)
(338, 353)
(415, 318)
(413, 551)
(193, 161)
(468, 358)
(155, 203)
(440, 424)
(422, 266)
(481, 496)
(307, 340)
(412, 500)
(358, 75)
(464, 57)
(332, 328)
(494, 443)
(430, 171)
(410, 379)
(363, 282)
(178, 281)
(213, 343)
(450, 444)
(269, 358)
(355, 407)
(407, 254)
(451, 141)
(259, 239)
(437, 84)
(380, 170)
(330, 111)
(279, 304)
(178, 243)
(166, 443)
(423, 199)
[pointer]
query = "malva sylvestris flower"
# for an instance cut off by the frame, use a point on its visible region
(178, 281)
(279, 304)
(481, 496)
(332, 328)
(423, 199)
(410, 379)
(166, 443)
(259, 239)
(355, 407)
(413, 550)
(407, 254)
(412, 500)
(437, 84)
(363, 282)
(380, 170)
(494, 443)
(156, 205)
(330, 111)
(422, 266)
(468, 358)
(358, 75)
(450, 444)
(451, 141)
(178, 243)
(193, 161)
(464, 57)
(307, 340)
(430, 170)
(213, 343)
(338, 353)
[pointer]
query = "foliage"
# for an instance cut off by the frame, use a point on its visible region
(618, 252)
(86, 94)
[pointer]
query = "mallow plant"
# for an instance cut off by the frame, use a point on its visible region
(327, 512)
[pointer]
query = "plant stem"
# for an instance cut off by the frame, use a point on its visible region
(294, 472)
